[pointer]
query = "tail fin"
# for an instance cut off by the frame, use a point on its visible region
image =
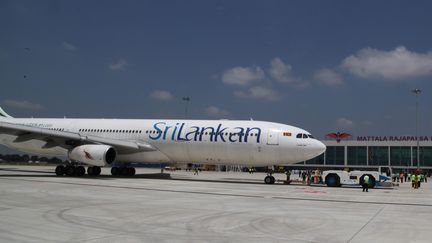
(3, 114)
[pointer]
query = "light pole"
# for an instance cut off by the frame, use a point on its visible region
(417, 92)
(186, 100)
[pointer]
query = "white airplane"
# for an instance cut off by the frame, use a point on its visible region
(101, 142)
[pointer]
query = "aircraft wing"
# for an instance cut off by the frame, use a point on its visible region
(69, 140)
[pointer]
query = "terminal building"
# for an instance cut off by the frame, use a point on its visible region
(398, 152)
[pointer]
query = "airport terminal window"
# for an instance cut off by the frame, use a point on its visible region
(335, 155)
(425, 156)
(400, 156)
(356, 155)
(378, 155)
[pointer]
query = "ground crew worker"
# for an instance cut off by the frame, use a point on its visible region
(288, 174)
(416, 181)
(419, 180)
(317, 176)
(366, 183)
(413, 178)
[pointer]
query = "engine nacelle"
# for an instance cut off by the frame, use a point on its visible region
(96, 155)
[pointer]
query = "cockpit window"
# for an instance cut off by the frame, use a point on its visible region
(303, 135)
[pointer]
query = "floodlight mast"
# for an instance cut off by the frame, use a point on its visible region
(417, 93)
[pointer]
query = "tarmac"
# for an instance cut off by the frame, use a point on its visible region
(37, 206)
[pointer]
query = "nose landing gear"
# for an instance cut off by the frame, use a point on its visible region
(269, 179)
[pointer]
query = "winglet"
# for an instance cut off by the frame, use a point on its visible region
(3, 114)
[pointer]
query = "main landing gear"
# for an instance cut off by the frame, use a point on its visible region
(123, 171)
(79, 170)
(73, 170)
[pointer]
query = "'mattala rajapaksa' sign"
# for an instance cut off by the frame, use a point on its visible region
(393, 138)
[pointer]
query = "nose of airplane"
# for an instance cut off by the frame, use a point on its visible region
(319, 147)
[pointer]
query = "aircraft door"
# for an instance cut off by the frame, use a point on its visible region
(272, 137)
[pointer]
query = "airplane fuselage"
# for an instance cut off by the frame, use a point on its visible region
(254, 143)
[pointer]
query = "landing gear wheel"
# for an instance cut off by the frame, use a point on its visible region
(131, 171)
(128, 171)
(124, 171)
(115, 171)
(97, 170)
(269, 180)
(90, 170)
(94, 170)
(80, 171)
(70, 170)
(60, 170)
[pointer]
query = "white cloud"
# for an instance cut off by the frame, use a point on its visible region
(242, 75)
(119, 65)
(344, 123)
(162, 95)
(68, 46)
(214, 111)
(397, 64)
(280, 71)
(259, 93)
(328, 77)
(23, 104)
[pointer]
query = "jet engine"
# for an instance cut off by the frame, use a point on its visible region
(96, 155)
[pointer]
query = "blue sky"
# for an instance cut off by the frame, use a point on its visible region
(325, 66)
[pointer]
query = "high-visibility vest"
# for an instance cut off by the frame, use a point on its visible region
(366, 179)
(413, 177)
